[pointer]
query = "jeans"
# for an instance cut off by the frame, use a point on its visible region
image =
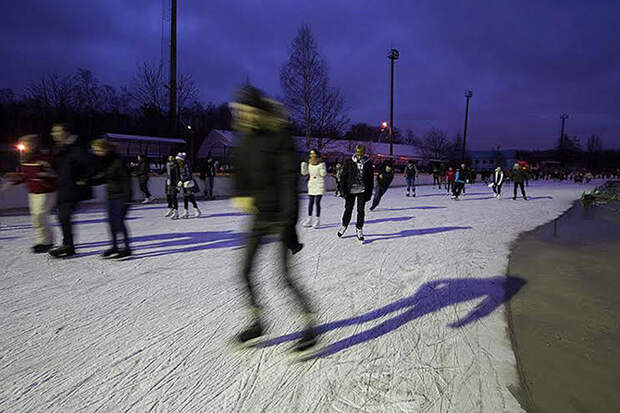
(378, 195)
(208, 187)
(350, 199)
(410, 183)
(519, 184)
(117, 211)
(315, 199)
(144, 187)
(65, 210)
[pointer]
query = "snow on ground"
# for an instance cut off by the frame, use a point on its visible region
(415, 315)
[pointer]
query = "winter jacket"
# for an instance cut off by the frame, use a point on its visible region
(518, 176)
(459, 176)
(338, 173)
(316, 177)
(384, 179)
(498, 177)
(450, 175)
(207, 170)
(115, 174)
(37, 174)
(266, 170)
(173, 177)
(143, 170)
(411, 170)
(73, 168)
(186, 179)
(351, 175)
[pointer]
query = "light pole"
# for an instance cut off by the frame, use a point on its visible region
(563, 117)
(468, 95)
(394, 55)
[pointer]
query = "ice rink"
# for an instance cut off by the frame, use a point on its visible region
(413, 321)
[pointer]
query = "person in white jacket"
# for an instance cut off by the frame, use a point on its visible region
(315, 170)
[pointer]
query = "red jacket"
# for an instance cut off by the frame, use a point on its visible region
(37, 174)
(450, 176)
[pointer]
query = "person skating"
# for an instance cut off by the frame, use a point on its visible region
(207, 175)
(450, 177)
(187, 185)
(518, 177)
(315, 170)
(357, 185)
(172, 182)
(73, 169)
(384, 179)
(265, 184)
(436, 179)
(498, 181)
(338, 177)
(459, 182)
(143, 169)
(411, 171)
(115, 175)
(36, 172)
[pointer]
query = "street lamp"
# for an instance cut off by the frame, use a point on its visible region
(393, 55)
(563, 117)
(384, 125)
(468, 95)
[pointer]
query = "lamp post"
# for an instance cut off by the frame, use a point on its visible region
(393, 56)
(20, 150)
(563, 117)
(468, 95)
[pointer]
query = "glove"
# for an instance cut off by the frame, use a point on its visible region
(245, 203)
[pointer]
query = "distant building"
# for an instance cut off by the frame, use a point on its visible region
(481, 160)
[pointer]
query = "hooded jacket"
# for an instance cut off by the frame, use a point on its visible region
(358, 169)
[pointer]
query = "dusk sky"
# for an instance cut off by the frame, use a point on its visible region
(526, 61)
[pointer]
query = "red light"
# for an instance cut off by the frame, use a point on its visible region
(21, 147)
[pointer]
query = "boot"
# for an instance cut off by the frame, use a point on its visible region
(185, 214)
(39, 248)
(306, 341)
(307, 222)
(250, 334)
(317, 222)
(296, 248)
(197, 212)
(63, 251)
(360, 234)
(175, 214)
(169, 213)
(125, 252)
(341, 231)
(109, 252)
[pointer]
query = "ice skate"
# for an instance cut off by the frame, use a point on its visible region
(360, 235)
(197, 213)
(125, 252)
(39, 248)
(341, 231)
(147, 200)
(307, 222)
(185, 214)
(169, 213)
(307, 341)
(250, 336)
(317, 222)
(109, 252)
(406, 193)
(175, 214)
(63, 251)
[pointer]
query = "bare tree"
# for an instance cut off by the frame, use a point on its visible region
(149, 88)
(52, 91)
(435, 144)
(87, 92)
(594, 144)
(313, 104)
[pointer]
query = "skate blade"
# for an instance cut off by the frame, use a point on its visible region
(253, 343)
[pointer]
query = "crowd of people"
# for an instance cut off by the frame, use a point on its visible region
(265, 185)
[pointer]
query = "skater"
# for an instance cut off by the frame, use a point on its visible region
(115, 175)
(315, 170)
(411, 171)
(338, 177)
(265, 184)
(73, 169)
(143, 170)
(357, 185)
(498, 181)
(459, 182)
(518, 177)
(436, 180)
(207, 175)
(187, 185)
(172, 182)
(450, 177)
(384, 179)
(36, 172)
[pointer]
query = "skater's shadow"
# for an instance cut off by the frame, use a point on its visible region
(403, 209)
(226, 214)
(15, 227)
(7, 238)
(539, 197)
(445, 194)
(476, 199)
(148, 246)
(430, 297)
(410, 233)
(370, 221)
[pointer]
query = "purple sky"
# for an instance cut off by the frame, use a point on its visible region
(526, 61)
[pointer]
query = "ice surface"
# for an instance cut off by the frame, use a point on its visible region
(421, 303)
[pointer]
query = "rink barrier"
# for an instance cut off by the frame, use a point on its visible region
(17, 196)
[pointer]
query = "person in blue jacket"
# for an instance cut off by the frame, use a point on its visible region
(459, 182)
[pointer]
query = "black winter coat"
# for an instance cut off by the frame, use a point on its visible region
(207, 170)
(266, 170)
(72, 165)
(411, 170)
(349, 170)
(518, 176)
(115, 174)
(384, 179)
(143, 170)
